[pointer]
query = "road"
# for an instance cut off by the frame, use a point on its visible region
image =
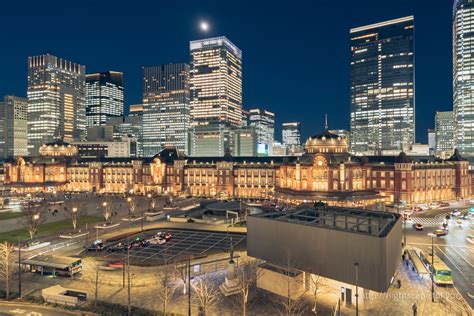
(453, 249)
(27, 309)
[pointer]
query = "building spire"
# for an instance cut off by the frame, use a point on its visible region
(326, 122)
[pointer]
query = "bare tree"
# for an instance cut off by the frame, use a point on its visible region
(107, 205)
(291, 301)
(132, 205)
(205, 293)
(32, 216)
(166, 286)
(91, 273)
(75, 212)
(247, 275)
(7, 265)
(181, 272)
(316, 283)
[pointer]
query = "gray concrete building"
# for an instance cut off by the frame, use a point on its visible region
(330, 241)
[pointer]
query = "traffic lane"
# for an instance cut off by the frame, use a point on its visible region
(26, 309)
(437, 211)
(459, 260)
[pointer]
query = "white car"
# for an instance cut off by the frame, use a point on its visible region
(470, 239)
(456, 213)
(157, 241)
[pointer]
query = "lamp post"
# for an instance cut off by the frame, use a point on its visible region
(104, 205)
(74, 214)
(357, 287)
(432, 264)
(129, 200)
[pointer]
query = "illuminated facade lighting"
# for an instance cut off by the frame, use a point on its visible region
(463, 77)
(382, 87)
(216, 81)
(56, 101)
(13, 127)
(104, 97)
(166, 107)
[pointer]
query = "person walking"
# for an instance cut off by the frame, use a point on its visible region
(414, 309)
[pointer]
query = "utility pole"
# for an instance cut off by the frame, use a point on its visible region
(128, 273)
(432, 267)
(19, 268)
(357, 288)
(189, 286)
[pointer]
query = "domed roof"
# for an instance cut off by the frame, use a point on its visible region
(169, 154)
(58, 148)
(326, 142)
(402, 158)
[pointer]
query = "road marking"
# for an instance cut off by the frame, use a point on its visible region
(18, 311)
(454, 264)
(459, 253)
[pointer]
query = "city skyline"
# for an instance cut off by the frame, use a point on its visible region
(332, 87)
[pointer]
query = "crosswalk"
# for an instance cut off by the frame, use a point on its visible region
(427, 222)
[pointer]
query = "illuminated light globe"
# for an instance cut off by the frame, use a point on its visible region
(204, 26)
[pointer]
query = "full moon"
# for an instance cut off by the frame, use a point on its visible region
(204, 26)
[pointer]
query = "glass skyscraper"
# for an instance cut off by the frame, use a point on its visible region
(13, 127)
(444, 134)
(166, 107)
(56, 101)
(463, 76)
(104, 97)
(382, 87)
(216, 81)
(291, 134)
(264, 123)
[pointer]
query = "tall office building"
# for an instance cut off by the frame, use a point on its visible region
(216, 81)
(444, 134)
(104, 97)
(382, 87)
(56, 101)
(135, 110)
(13, 127)
(264, 123)
(431, 140)
(291, 134)
(166, 107)
(463, 77)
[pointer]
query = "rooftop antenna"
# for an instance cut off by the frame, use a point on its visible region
(326, 122)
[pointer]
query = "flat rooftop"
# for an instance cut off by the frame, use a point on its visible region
(373, 223)
(58, 262)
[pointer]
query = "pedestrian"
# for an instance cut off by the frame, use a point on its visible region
(414, 308)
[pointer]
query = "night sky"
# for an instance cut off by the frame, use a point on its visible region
(295, 53)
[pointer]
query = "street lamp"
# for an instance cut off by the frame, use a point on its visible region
(74, 209)
(432, 265)
(357, 287)
(129, 200)
(36, 217)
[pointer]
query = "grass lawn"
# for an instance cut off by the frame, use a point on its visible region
(48, 229)
(9, 215)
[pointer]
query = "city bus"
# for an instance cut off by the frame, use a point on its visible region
(440, 271)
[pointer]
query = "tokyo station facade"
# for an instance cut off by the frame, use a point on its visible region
(325, 172)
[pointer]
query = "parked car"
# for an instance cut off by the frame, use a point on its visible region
(443, 204)
(418, 226)
(118, 247)
(157, 241)
(417, 209)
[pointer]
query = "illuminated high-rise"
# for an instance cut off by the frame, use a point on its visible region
(13, 128)
(166, 107)
(291, 134)
(216, 81)
(382, 87)
(104, 97)
(264, 123)
(463, 77)
(56, 101)
(444, 134)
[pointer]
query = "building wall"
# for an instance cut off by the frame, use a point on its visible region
(13, 127)
(327, 252)
(409, 182)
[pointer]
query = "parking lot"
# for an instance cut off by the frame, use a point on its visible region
(183, 243)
